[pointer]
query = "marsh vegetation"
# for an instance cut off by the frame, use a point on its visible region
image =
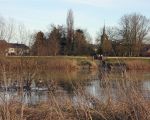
(30, 91)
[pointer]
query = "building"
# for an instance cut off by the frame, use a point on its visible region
(104, 36)
(106, 46)
(146, 50)
(17, 49)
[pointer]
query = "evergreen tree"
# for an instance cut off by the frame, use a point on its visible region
(39, 46)
(54, 41)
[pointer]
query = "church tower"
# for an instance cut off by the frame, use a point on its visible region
(106, 47)
(104, 36)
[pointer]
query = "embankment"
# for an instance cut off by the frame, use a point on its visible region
(65, 63)
(131, 63)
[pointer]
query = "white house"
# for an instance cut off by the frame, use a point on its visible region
(17, 49)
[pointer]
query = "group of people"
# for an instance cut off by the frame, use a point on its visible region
(101, 59)
(104, 65)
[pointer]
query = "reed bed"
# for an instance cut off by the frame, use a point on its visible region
(46, 63)
(38, 64)
(135, 109)
(128, 104)
(138, 65)
(131, 63)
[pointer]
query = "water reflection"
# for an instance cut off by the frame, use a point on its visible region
(80, 86)
(114, 85)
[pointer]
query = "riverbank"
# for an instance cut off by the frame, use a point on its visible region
(131, 63)
(69, 63)
(60, 63)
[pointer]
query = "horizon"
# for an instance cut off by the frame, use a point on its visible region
(90, 15)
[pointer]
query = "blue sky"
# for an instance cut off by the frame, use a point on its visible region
(88, 14)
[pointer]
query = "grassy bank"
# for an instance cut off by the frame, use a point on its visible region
(132, 63)
(47, 63)
(121, 59)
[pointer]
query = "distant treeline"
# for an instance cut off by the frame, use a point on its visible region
(126, 39)
(60, 42)
(130, 38)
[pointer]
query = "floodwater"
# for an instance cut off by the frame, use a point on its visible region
(77, 85)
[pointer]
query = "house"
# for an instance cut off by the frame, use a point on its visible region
(146, 50)
(17, 49)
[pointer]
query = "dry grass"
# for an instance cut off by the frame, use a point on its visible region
(138, 65)
(37, 64)
(46, 63)
(133, 109)
(130, 104)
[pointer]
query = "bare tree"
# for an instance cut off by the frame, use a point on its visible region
(6, 29)
(23, 34)
(134, 28)
(112, 33)
(6, 34)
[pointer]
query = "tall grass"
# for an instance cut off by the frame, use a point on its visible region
(138, 65)
(132, 63)
(47, 63)
(128, 104)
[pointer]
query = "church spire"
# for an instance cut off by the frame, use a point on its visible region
(104, 35)
(104, 30)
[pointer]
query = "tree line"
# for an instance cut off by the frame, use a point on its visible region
(129, 39)
(126, 39)
(62, 40)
